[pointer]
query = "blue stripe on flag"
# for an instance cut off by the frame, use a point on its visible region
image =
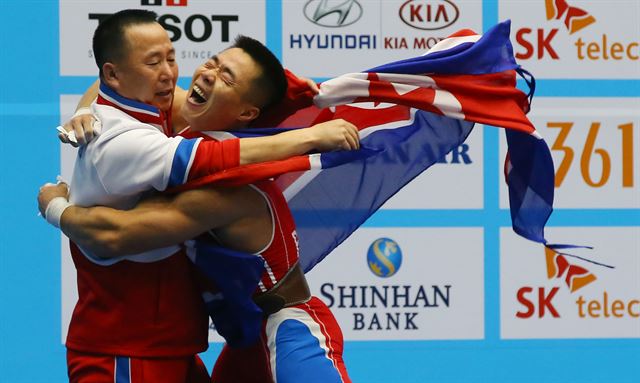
(530, 184)
(236, 316)
(122, 372)
(493, 53)
(181, 159)
(332, 159)
(340, 199)
(258, 132)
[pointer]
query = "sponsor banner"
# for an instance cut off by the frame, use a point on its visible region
(544, 294)
(575, 39)
(68, 271)
(198, 28)
(594, 144)
(326, 38)
(405, 284)
(446, 185)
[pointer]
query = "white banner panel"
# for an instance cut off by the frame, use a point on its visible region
(551, 296)
(405, 284)
(198, 28)
(328, 38)
(594, 144)
(446, 185)
(586, 40)
(68, 153)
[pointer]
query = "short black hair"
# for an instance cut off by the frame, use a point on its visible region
(109, 42)
(270, 87)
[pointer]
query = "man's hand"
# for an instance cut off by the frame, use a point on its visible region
(334, 135)
(50, 191)
(312, 84)
(80, 129)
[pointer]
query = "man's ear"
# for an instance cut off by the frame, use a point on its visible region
(249, 114)
(110, 75)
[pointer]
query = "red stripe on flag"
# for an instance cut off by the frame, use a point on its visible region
(462, 33)
(246, 174)
(501, 104)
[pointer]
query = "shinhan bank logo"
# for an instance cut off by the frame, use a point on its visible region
(575, 18)
(384, 257)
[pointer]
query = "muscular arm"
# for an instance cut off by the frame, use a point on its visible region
(331, 135)
(159, 221)
(89, 95)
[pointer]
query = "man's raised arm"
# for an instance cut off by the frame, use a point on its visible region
(327, 136)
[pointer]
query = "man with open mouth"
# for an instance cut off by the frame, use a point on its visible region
(141, 313)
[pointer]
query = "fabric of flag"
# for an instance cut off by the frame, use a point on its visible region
(410, 114)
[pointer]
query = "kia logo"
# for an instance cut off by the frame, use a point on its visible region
(333, 16)
(429, 15)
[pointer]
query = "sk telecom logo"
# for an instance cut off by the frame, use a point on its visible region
(574, 18)
(540, 301)
(539, 42)
(320, 12)
(576, 277)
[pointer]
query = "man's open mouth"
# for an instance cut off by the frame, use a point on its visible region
(197, 96)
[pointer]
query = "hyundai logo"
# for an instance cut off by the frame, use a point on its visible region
(336, 15)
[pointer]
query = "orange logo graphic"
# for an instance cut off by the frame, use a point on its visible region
(577, 277)
(574, 18)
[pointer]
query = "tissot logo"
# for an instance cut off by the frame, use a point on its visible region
(333, 14)
(429, 15)
(197, 28)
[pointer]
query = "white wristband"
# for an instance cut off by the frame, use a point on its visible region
(54, 210)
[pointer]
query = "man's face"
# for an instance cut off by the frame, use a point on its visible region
(149, 71)
(218, 97)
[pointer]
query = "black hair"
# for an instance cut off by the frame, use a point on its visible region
(270, 86)
(109, 42)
